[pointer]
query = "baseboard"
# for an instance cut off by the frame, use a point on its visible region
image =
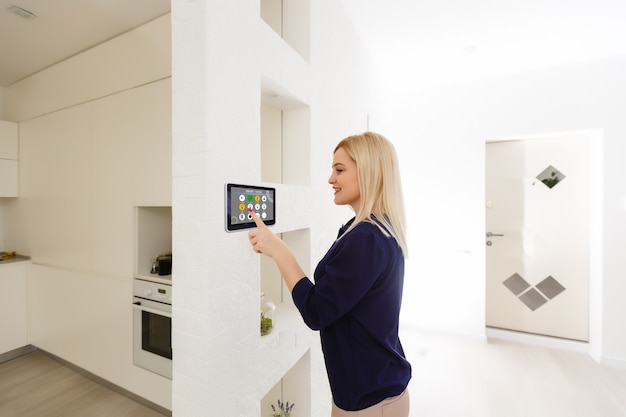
(16, 353)
(613, 362)
(537, 340)
(409, 330)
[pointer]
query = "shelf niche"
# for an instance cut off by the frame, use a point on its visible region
(294, 387)
(285, 145)
(285, 139)
(153, 237)
(290, 20)
(272, 285)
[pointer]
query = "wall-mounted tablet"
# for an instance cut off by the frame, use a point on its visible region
(240, 198)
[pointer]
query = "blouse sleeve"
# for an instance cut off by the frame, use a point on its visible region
(343, 277)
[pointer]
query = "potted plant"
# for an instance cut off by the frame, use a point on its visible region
(267, 313)
(283, 410)
(266, 324)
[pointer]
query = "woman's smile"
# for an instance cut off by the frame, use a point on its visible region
(345, 180)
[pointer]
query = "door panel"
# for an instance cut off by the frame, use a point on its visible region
(537, 193)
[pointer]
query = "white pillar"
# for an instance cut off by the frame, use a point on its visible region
(215, 79)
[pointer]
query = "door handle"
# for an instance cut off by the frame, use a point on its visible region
(152, 310)
(491, 234)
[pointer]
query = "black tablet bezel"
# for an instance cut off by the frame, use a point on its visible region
(252, 189)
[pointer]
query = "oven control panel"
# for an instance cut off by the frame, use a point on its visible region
(153, 291)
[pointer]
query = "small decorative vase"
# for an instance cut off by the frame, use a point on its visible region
(267, 315)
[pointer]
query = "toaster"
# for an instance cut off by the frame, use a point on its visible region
(164, 264)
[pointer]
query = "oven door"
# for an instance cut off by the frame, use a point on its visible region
(152, 336)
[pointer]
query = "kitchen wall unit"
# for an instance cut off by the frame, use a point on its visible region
(95, 143)
(8, 159)
(13, 307)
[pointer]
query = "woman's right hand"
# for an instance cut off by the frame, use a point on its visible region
(262, 239)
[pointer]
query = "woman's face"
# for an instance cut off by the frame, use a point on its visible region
(345, 180)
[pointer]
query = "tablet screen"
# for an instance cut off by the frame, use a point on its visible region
(240, 198)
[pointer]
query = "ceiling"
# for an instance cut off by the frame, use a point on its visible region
(430, 42)
(63, 28)
(417, 41)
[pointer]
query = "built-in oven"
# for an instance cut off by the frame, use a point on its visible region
(152, 326)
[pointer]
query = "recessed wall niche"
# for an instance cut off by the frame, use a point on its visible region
(272, 284)
(285, 148)
(153, 237)
(285, 156)
(290, 20)
(293, 387)
(285, 145)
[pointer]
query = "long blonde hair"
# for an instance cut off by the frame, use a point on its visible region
(379, 184)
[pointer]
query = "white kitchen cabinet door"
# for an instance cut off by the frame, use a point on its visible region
(8, 159)
(8, 178)
(13, 312)
(8, 140)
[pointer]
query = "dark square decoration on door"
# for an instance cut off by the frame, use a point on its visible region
(550, 176)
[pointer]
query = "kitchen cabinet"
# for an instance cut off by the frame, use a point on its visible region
(13, 311)
(8, 159)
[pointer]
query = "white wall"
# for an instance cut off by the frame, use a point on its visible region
(342, 88)
(443, 132)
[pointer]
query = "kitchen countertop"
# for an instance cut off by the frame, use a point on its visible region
(13, 259)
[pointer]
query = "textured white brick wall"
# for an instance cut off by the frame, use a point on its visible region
(215, 130)
(221, 366)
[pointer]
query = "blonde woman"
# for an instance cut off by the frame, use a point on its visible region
(355, 300)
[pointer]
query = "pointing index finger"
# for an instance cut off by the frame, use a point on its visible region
(256, 218)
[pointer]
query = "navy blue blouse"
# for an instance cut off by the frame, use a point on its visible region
(355, 303)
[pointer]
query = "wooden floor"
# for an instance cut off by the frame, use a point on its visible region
(464, 378)
(35, 385)
(452, 377)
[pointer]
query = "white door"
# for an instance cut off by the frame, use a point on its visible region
(537, 218)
